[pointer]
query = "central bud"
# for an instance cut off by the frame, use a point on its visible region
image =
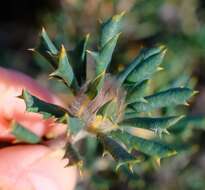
(102, 112)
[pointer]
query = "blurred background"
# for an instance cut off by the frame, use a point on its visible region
(179, 24)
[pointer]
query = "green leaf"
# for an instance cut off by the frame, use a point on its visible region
(34, 104)
(196, 122)
(25, 135)
(91, 147)
(75, 125)
(171, 97)
(73, 155)
(129, 115)
(47, 43)
(148, 147)
(157, 124)
(145, 54)
(46, 49)
(64, 70)
(182, 81)
(147, 67)
(104, 56)
(110, 28)
(136, 93)
(110, 110)
(117, 151)
(94, 86)
(110, 32)
(78, 59)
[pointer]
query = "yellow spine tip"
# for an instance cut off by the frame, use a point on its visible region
(31, 49)
(122, 13)
(166, 132)
(88, 51)
(160, 69)
(158, 162)
(62, 51)
(195, 92)
(144, 100)
(181, 117)
(164, 51)
(104, 153)
(163, 48)
(118, 16)
(43, 30)
(62, 47)
(186, 104)
(130, 168)
(87, 36)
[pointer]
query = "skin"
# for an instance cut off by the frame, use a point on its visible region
(31, 167)
(13, 108)
(35, 167)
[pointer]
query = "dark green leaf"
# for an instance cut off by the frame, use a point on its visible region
(74, 124)
(148, 147)
(110, 110)
(136, 93)
(64, 70)
(145, 54)
(47, 43)
(104, 56)
(73, 155)
(110, 28)
(34, 104)
(91, 147)
(182, 81)
(95, 85)
(147, 67)
(196, 122)
(117, 151)
(129, 115)
(171, 97)
(25, 135)
(78, 59)
(157, 124)
(46, 49)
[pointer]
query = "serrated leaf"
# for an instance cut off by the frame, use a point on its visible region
(24, 135)
(171, 97)
(143, 55)
(129, 115)
(148, 147)
(78, 59)
(196, 122)
(95, 85)
(46, 56)
(136, 94)
(47, 43)
(64, 70)
(157, 124)
(74, 124)
(182, 81)
(110, 28)
(91, 147)
(34, 104)
(73, 155)
(104, 56)
(46, 49)
(147, 67)
(117, 151)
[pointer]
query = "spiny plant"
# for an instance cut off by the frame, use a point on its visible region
(104, 105)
